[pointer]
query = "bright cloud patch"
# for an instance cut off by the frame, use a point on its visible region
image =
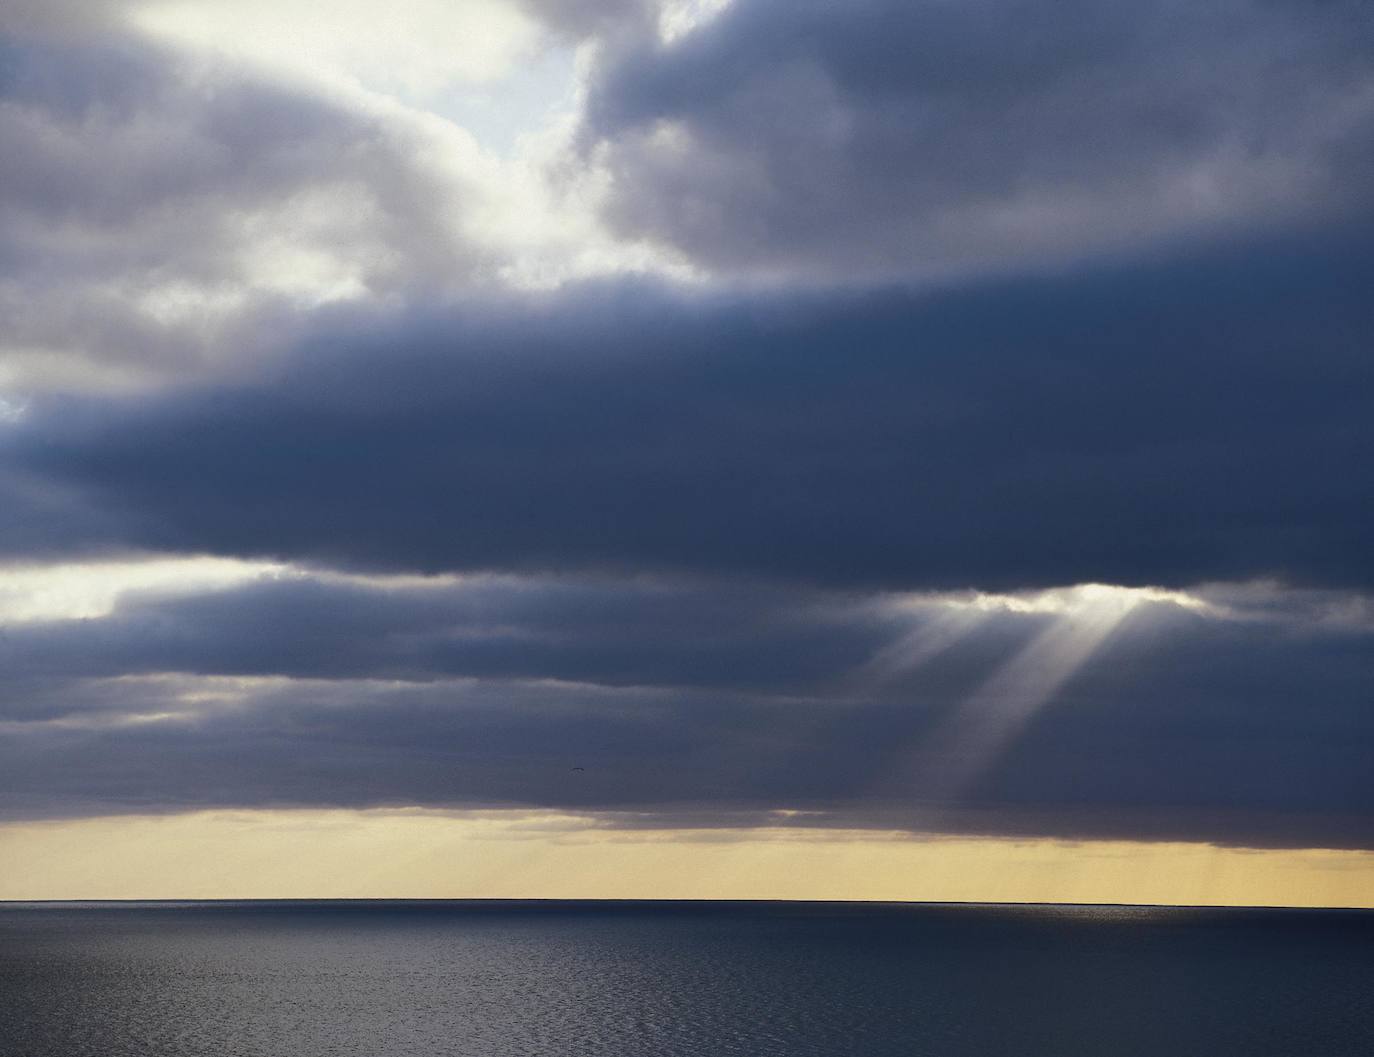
(414, 48)
(92, 589)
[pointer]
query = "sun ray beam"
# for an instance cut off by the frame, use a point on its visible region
(985, 723)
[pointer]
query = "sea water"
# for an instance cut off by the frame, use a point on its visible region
(516, 979)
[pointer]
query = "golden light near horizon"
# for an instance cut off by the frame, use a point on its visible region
(433, 853)
(430, 854)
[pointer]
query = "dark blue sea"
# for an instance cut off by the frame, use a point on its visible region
(516, 979)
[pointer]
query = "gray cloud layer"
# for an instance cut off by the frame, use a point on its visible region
(885, 138)
(1202, 418)
(691, 704)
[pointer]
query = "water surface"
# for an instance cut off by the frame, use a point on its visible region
(512, 979)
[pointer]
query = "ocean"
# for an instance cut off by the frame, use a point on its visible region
(518, 979)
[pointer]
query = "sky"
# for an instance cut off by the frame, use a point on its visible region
(708, 448)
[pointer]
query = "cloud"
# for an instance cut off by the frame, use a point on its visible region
(581, 19)
(325, 626)
(417, 48)
(172, 208)
(1198, 418)
(884, 138)
(697, 704)
(61, 18)
(159, 209)
(323, 483)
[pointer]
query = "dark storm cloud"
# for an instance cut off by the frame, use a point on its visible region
(605, 632)
(1184, 725)
(884, 137)
(39, 518)
(1191, 419)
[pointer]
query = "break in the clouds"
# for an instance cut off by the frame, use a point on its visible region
(941, 417)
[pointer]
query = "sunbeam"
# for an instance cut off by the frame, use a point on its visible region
(985, 723)
(935, 634)
(941, 765)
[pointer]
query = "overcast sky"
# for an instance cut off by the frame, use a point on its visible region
(941, 418)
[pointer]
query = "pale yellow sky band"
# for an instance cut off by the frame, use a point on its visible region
(427, 854)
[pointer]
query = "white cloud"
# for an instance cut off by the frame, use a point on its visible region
(677, 18)
(86, 590)
(410, 48)
(1075, 601)
(181, 191)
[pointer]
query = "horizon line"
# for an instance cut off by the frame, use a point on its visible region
(169, 901)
